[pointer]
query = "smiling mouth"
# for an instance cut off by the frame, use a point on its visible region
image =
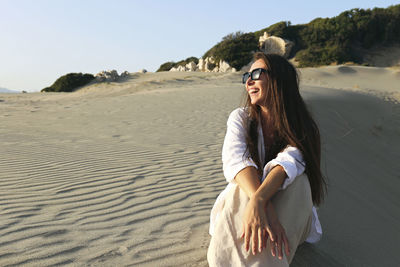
(253, 91)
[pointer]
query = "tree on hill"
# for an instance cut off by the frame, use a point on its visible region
(69, 82)
(235, 48)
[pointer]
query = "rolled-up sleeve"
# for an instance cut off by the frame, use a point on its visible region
(234, 158)
(292, 162)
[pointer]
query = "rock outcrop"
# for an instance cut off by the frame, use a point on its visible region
(201, 65)
(275, 45)
(110, 76)
(191, 66)
(209, 64)
(124, 74)
(205, 65)
(267, 44)
(224, 67)
(178, 68)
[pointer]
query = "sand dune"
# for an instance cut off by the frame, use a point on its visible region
(125, 174)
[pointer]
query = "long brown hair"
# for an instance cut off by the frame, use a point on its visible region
(292, 122)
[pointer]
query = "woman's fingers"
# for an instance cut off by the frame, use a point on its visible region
(270, 233)
(286, 243)
(247, 235)
(260, 239)
(279, 244)
(256, 236)
(254, 240)
(272, 246)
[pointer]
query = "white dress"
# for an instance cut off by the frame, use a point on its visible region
(233, 161)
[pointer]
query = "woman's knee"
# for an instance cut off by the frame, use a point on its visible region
(296, 195)
(293, 205)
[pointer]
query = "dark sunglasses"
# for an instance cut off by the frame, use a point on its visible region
(254, 75)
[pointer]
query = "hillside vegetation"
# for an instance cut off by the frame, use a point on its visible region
(322, 41)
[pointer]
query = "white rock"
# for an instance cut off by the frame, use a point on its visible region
(209, 64)
(206, 65)
(143, 71)
(201, 65)
(181, 68)
(178, 68)
(275, 45)
(262, 39)
(109, 76)
(224, 66)
(191, 66)
(100, 74)
(210, 60)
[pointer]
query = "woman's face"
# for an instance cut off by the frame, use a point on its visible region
(257, 89)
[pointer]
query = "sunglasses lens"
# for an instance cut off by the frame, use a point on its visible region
(255, 74)
(245, 77)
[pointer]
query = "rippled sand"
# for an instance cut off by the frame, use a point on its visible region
(125, 174)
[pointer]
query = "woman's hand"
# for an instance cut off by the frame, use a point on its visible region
(278, 235)
(256, 221)
(255, 226)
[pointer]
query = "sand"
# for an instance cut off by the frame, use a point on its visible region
(125, 174)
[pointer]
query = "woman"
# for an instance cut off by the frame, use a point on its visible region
(271, 159)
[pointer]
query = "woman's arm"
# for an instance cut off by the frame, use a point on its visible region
(248, 180)
(271, 184)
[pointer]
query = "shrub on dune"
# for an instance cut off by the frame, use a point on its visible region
(69, 82)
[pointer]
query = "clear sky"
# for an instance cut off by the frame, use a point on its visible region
(44, 39)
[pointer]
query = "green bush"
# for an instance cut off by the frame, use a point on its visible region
(166, 66)
(281, 29)
(69, 82)
(316, 56)
(235, 48)
(335, 40)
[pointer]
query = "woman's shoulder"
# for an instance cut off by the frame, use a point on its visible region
(238, 118)
(238, 114)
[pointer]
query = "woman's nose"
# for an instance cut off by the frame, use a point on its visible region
(249, 81)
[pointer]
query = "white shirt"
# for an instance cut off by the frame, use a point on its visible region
(233, 161)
